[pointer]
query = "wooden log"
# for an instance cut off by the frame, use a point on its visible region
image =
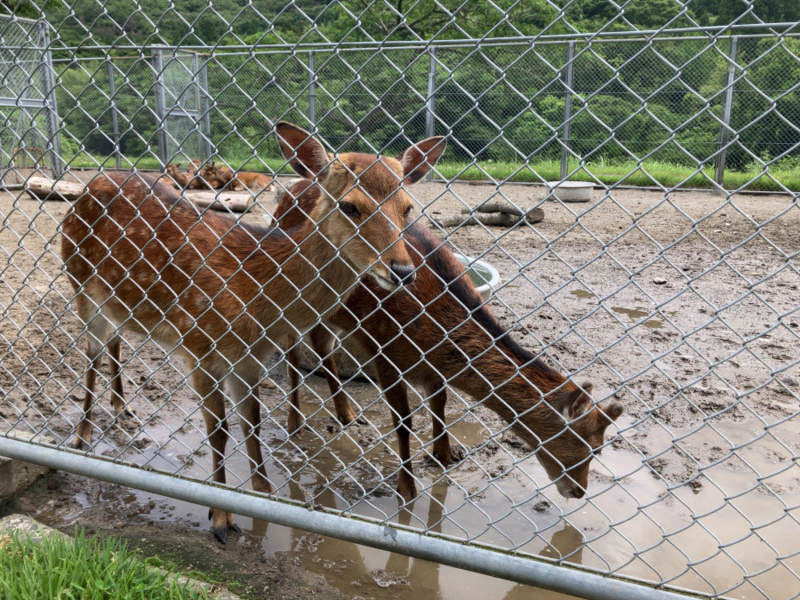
(534, 215)
(496, 206)
(237, 202)
(45, 189)
(42, 188)
(490, 219)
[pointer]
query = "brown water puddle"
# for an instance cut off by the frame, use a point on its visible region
(654, 528)
(583, 294)
(636, 314)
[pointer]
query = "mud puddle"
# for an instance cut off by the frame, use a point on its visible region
(670, 503)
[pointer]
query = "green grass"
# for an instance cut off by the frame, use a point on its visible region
(61, 568)
(650, 173)
(629, 173)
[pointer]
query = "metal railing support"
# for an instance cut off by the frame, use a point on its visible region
(211, 150)
(430, 103)
(567, 130)
(114, 123)
(574, 581)
(161, 109)
(51, 106)
(722, 144)
(312, 93)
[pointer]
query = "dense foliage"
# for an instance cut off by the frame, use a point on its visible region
(661, 102)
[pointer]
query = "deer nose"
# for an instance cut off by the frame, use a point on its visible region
(402, 274)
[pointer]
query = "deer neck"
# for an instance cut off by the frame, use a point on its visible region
(314, 266)
(509, 385)
(333, 272)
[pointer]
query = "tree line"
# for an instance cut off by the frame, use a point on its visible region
(505, 103)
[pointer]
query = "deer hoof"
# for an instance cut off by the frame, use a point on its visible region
(221, 533)
(235, 528)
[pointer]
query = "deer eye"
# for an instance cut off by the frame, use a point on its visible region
(408, 211)
(348, 209)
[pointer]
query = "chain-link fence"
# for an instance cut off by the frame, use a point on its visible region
(28, 120)
(668, 103)
(385, 395)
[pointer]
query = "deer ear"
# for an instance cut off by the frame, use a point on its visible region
(178, 166)
(574, 403)
(306, 154)
(419, 159)
(613, 410)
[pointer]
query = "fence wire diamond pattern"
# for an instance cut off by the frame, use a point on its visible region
(625, 396)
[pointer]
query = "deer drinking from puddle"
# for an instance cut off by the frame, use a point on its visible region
(222, 294)
(437, 331)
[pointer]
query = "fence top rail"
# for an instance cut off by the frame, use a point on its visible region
(647, 34)
(23, 19)
(214, 54)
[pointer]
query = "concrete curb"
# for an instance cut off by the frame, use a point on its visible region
(37, 532)
(16, 476)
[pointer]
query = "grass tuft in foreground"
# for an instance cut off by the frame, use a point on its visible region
(61, 568)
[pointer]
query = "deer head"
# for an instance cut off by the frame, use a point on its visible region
(574, 437)
(363, 207)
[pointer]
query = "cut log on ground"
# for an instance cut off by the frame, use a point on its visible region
(237, 202)
(497, 206)
(45, 189)
(42, 188)
(490, 219)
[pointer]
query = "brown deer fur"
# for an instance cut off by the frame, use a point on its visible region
(142, 259)
(174, 177)
(199, 178)
(457, 339)
(253, 182)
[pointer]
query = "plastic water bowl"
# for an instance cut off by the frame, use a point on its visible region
(572, 191)
(483, 275)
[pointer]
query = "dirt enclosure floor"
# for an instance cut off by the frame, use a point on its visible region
(684, 308)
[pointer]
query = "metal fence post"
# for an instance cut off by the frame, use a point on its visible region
(312, 92)
(722, 144)
(51, 106)
(211, 150)
(161, 110)
(430, 105)
(114, 124)
(565, 140)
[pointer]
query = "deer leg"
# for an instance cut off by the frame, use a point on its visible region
(213, 404)
(295, 425)
(96, 327)
(117, 389)
(248, 408)
(83, 432)
(323, 343)
(396, 395)
(437, 397)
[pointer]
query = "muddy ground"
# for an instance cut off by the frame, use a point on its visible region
(684, 308)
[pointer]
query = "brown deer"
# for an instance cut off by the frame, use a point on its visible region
(253, 182)
(200, 178)
(437, 332)
(174, 177)
(222, 294)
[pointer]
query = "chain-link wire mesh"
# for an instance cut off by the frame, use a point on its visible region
(24, 88)
(444, 409)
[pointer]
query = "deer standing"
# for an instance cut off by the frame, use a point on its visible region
(437, 331)
(222, 294)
